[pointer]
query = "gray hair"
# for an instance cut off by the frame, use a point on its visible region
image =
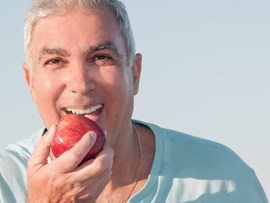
(44, 8)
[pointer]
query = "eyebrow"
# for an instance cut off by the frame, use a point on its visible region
(104, 46)
(53, 51)
(92, 49)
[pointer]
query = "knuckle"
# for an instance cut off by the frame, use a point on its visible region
(65, 183)
(77, 186)
(101, 166)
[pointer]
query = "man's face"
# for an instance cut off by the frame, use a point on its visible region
(79, 65)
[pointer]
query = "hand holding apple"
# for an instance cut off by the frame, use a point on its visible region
(71, 129)
(55, 181)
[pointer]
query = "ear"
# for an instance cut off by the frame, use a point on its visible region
(137, 73)
(28, 77)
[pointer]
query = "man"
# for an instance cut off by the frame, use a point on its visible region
(80, 58)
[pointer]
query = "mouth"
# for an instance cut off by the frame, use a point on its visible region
(91, 112)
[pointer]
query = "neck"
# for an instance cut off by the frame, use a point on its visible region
(125, 142)
(132, 165)
(127, 158)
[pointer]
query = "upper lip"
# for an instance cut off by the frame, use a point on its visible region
(84, 110)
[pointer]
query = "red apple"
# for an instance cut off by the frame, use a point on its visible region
(70, 130)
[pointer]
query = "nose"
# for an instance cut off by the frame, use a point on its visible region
(81, 80)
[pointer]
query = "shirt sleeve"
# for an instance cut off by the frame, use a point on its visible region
(12, 177)
(6, 194)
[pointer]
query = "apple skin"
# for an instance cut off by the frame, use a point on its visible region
(70, 129)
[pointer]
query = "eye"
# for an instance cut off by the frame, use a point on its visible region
(53, 61)
(102, 60)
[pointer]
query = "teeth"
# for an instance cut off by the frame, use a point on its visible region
(94, 108)
(84, 111)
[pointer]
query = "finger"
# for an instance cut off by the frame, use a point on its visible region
(41, 152)
(106, 153)
(89, 162)
(102, 162)
(104, 159)
(70, 159)
(100, 182)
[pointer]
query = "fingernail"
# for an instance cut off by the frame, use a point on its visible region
(93, 135)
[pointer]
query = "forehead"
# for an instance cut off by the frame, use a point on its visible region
(77, 29)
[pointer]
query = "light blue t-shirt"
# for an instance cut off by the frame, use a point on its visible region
(186, 169)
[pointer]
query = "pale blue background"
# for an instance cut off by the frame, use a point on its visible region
(206, 72)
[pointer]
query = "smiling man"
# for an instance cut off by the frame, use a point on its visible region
(80, 59)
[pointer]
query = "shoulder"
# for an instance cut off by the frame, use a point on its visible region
(201, 168)
(191, 144)
(204, 162)
(13, 164)
(14, 157)
(204, 154)
(198, 156)
(21, 149)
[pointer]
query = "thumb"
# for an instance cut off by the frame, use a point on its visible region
(41, 152)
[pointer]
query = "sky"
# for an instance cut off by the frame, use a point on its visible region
(206, 70)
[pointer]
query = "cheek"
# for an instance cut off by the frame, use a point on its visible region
(48, 91)
(48, 88)
(117, 81)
